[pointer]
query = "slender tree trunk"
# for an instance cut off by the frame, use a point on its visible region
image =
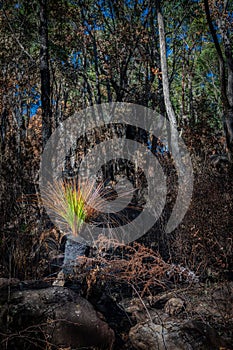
(98, 99)
(228, 122)
(166, 92)
(190, 89)
(226, 79)
(183, 92)
(45, 73)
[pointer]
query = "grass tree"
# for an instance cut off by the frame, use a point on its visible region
(72, 204)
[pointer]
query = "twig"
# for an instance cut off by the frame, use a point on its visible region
(16, 39)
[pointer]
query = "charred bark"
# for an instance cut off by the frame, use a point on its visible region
(226, 78)
(45, 73)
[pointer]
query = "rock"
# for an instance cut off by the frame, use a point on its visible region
(172, 335)
(6, 282)
(7, 285)
(174, 306)
(58, 316)
(152, 336)
(144, 336)
(203, 334)
(60, 280)
(136, 307)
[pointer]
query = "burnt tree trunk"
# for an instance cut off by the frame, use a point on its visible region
(45, 73)
(226, 76)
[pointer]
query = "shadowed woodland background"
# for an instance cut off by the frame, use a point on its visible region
(58, 57)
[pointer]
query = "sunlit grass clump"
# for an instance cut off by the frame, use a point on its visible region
(74, 203)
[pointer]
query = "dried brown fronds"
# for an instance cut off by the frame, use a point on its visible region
(133, 264)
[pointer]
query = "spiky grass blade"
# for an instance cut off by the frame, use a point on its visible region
(72, 203)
